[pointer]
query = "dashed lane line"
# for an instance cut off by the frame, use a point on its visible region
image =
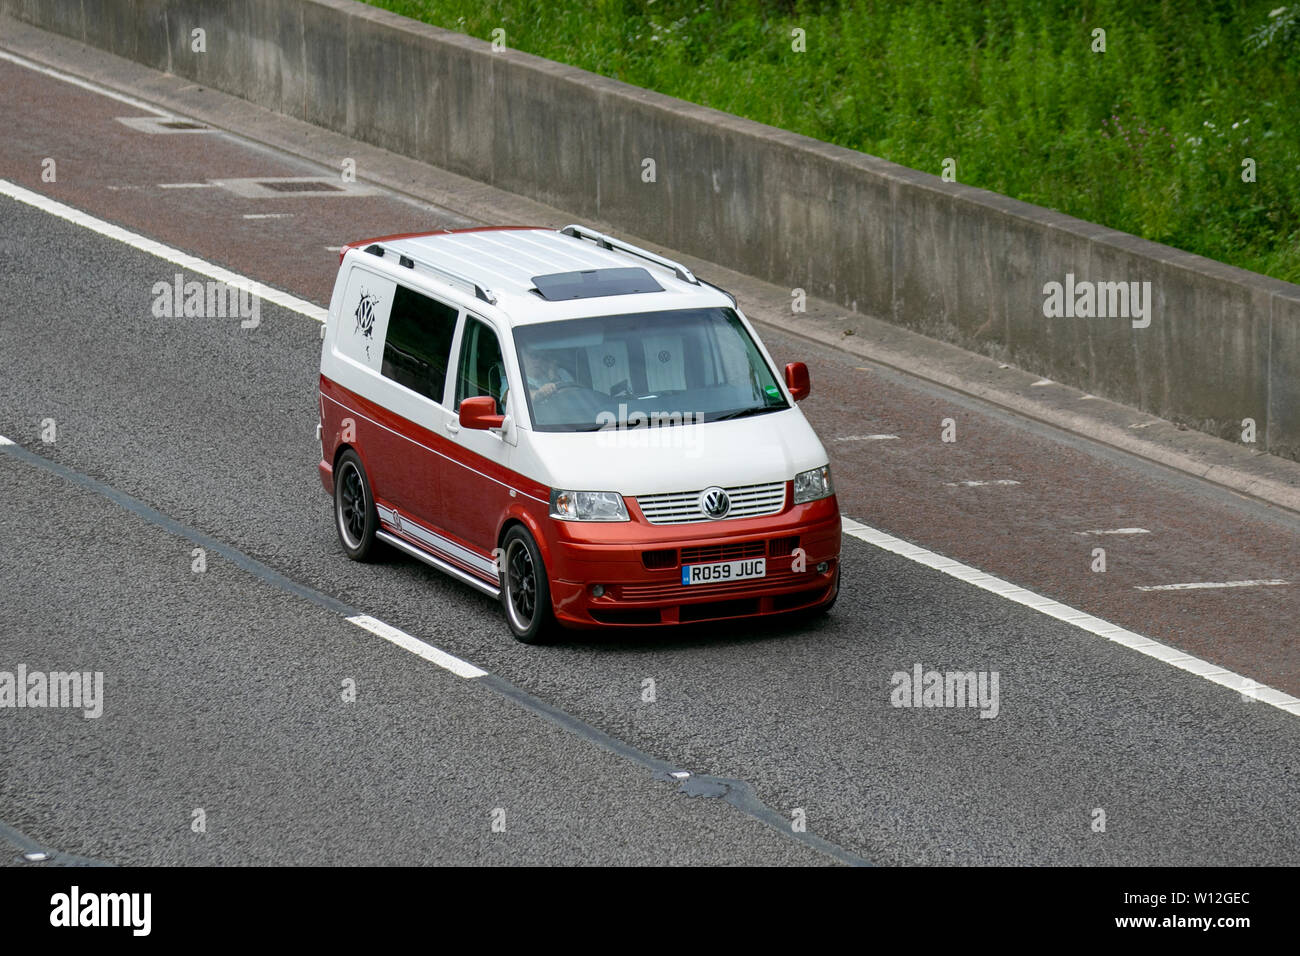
(419, 648)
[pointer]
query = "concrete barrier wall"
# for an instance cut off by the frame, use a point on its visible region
(952, 262)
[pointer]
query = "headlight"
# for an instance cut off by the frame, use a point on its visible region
(813, 484)
(587, 505)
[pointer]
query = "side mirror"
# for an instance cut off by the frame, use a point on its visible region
(480, 412)
(796, 379)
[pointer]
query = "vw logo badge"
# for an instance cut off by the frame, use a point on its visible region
(714, 502)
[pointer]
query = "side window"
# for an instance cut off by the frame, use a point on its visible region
(418, 345)
(362, 320)
(481, 370)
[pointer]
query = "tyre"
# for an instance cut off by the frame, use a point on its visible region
(355, 517)
(525, 590)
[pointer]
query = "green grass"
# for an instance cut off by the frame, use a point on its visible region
(1148, 137)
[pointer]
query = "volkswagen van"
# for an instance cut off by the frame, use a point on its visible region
(574, 425)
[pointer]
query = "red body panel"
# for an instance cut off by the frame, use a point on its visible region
(584, 554)
(578, 555)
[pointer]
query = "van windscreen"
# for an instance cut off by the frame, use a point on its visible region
(644, 369)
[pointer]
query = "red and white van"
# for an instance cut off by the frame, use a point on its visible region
(573, 424)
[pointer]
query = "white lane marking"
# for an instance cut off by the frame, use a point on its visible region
(1094, 625)
(86, 85)
(1143, 424)
(866, 438)
(1117, 531)
(268, 215)
(1041, 382)
(182, 259)
(454, 664)
(187, 186)
(1211, 584)
(417, 647)
(978, 484)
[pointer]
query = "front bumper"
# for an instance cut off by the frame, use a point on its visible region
(628, 560)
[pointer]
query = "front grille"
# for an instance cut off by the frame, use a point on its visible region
(683, 507)
(656, 560)
(709, 554)
(780, 547)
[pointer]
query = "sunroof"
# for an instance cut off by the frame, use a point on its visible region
(592, 283)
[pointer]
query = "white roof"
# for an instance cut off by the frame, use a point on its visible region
(504, 261)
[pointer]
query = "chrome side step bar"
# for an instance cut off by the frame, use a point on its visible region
(435, 562)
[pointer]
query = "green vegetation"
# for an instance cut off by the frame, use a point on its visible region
(1147, 137)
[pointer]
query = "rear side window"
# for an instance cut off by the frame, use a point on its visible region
(481, 371)
(418, 346)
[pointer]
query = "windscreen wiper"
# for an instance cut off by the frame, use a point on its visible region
(745, 412)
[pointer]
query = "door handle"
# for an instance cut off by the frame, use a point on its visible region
(453, 427)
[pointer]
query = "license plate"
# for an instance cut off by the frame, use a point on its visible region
(723, 571)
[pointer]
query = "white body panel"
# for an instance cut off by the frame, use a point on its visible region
(748, 451)
(765, 448)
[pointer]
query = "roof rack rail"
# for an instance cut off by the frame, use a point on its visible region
(714, 285)
(447, 275)
(609, 242)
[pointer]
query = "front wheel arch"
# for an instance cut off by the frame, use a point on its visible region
(525, 586)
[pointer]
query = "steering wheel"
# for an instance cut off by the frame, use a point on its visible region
(559, 387)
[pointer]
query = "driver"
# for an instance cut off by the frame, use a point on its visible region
(545, 376)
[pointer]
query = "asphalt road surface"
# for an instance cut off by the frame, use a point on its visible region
(247, 721)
